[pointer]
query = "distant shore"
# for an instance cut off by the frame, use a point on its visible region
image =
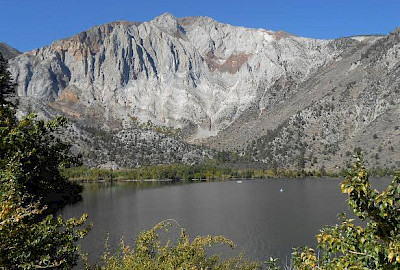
(199, 172)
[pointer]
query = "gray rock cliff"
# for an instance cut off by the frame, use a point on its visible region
(191, 71)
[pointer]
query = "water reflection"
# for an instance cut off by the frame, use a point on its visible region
(254, 214)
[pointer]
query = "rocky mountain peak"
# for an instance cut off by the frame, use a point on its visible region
(199, 20)
(165, 19)
(167, 22)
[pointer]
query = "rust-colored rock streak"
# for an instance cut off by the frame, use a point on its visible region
(68, 96)
(232, 64)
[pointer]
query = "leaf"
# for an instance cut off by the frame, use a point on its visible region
(390, 257)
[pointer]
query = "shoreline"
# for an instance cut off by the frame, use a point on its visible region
(200, 173)
(194, 180)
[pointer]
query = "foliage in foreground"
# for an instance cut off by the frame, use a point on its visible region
(349, 246)
(30, 240)
(150, 254)
(30, 157)
(30, 153)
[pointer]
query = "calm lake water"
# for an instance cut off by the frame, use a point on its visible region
(254, 214)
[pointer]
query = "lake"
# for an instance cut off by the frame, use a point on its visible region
(255, 214)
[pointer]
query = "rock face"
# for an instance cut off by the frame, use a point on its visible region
(7, 51)
(223, 86)
(190, 72)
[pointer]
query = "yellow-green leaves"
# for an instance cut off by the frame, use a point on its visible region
(29, 240)
(347, 246)
(150, 254)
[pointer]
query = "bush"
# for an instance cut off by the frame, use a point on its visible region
(149, 254)
(348, 246)
(30, 240)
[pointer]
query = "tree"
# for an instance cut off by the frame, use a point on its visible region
(31, 240)
(6, 85)
(31, 153)
(30, 158)
(348, 246)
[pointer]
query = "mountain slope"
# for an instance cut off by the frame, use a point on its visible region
(281, 99)
(105, 143)
(354, 104)
(7, 51)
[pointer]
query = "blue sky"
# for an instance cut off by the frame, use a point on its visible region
(29, 24)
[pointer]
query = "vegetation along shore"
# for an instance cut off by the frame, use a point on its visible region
(210, 171)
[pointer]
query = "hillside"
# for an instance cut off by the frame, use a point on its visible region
(351, 104)
(7, 51)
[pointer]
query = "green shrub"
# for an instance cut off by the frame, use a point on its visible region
(31, 240)
(149, 254)
(375, 245)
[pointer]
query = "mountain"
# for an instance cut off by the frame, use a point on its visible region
(224, 87)
(351, 104)
(192, 72)
(7, 51)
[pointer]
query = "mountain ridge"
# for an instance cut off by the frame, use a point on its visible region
(222, 85)
(223, 59)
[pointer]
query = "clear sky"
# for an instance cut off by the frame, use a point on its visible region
(29, 24)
